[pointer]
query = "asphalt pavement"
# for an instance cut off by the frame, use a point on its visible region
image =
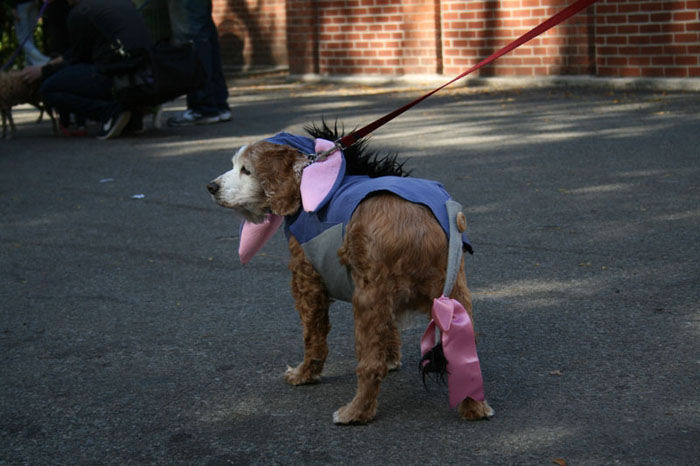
(131, 334)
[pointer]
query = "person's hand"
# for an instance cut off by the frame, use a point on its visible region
(31, 74)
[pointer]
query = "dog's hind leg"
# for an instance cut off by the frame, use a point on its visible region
(469, 409)
(7, 118)
(41, 113)
(393, 348)
(54, 125)
(312, 303)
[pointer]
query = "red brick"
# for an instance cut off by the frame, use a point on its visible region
(652, 72)
(689, 37)
(629, 72)
(662, 60)
(686, 60)
(685, 15)
(639, 61)
(676, 72)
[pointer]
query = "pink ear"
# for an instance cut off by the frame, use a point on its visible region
(255, 235)
(320, 178)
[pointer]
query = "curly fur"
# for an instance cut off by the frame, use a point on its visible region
(15, 91)
(395, 251)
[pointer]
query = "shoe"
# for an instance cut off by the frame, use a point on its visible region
(190, 117)
(225, 115)
(71, 131)
(113, 127)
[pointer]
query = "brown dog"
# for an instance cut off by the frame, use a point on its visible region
(14, 91)
(395, 252)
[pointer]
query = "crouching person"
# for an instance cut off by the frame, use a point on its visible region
(100, 32)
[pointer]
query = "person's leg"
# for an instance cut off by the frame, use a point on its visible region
(81, 90)
(191, 20)
(218, 80)
(27, 14)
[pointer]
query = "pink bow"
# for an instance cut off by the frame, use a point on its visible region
(459, 345)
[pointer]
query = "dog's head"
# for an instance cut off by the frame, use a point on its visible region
(265, 179)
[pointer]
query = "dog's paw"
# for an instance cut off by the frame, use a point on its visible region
(473, 410)
(352, 414)
(298, 376)
(393, 365)
(347, 415)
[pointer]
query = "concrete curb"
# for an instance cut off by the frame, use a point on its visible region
(652, 84)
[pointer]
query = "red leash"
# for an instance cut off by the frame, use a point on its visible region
(352, 138)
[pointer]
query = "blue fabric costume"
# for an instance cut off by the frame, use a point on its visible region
(320, 232)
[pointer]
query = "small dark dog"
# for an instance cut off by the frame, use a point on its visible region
(15, 91)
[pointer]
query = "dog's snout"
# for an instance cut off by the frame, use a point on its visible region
(213, 187)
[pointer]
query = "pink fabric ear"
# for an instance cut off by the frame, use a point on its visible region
(319, 178)
(255, 235)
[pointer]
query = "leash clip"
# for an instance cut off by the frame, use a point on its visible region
(321, 156)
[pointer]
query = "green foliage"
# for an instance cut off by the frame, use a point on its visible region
(8, 39)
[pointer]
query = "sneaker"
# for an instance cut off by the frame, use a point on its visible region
(190, 117)
(113, 127)
(225, 115)
(72, 131)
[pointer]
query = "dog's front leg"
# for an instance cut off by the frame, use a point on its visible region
(374, 328)
(312, 303)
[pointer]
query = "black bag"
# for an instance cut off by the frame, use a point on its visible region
(148, 77)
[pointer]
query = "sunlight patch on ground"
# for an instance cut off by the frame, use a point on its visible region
(186, 147)
(534, 289)
(603, 188)
(679, 215)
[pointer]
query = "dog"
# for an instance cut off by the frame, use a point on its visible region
(389, 257)
(15, 91)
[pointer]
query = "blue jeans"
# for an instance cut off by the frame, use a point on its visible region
(191, 21)
(26, 16)
(81, 90)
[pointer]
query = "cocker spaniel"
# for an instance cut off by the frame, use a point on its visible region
(361, 230)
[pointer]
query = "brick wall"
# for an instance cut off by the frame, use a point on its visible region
(648, 38)
(613, 38)
(474, 30)
(252, 32)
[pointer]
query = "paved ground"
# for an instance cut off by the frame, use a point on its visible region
(130, 334)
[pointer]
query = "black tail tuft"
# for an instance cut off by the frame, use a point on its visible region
(359, 159)
(434, 365)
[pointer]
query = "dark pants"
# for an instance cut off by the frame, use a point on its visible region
(81, 90)
(191, 21)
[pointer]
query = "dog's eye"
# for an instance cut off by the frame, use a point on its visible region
(245, 171)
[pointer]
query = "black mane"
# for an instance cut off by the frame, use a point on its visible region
(359, 159)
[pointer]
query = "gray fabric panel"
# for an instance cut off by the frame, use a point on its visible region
(322, 252)
(454, 256)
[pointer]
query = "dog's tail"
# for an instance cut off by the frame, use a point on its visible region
(433, 364)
